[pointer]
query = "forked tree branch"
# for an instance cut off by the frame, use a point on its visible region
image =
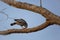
(50, 17)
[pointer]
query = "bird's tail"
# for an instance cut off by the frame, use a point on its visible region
(12, 24)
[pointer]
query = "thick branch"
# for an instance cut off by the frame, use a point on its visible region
(50, 17)
(43, 11)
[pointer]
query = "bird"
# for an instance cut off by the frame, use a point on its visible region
(20, 22)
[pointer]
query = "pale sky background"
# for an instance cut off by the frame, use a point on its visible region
(33, 19)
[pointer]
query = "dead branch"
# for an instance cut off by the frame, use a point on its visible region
(50, 17)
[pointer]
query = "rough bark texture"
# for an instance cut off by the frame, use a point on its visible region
(50, 17)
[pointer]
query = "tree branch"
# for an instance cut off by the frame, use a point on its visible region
(50, 17)
(29, 30)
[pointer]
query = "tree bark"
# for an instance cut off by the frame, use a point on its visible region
(50, 17)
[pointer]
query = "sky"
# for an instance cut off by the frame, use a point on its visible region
(33, 19)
